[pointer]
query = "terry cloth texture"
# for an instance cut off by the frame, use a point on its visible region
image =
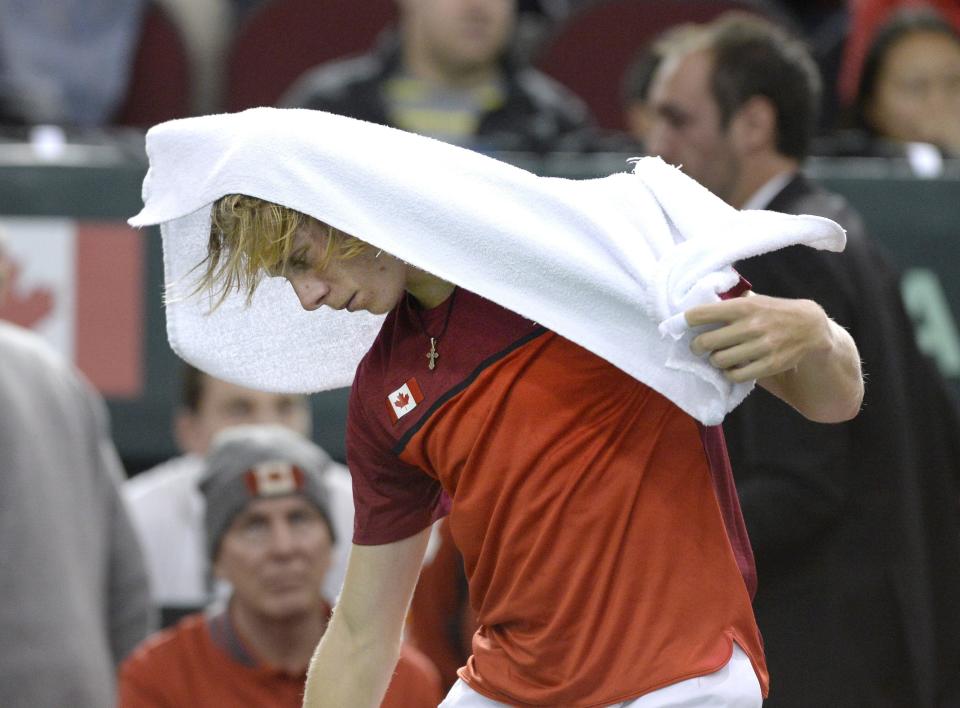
(248, 462)
(609, 263)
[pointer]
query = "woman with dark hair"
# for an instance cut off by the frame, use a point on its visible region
(909, 89)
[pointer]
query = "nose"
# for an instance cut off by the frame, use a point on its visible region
(310, 290)
(283, 540)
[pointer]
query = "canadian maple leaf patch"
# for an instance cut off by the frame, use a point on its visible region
(404, 399)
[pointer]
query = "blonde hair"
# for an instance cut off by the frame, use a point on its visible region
(250, 237)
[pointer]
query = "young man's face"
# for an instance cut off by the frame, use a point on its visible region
(223, 405)
(368, 281)
(685, 126)
(275, 554)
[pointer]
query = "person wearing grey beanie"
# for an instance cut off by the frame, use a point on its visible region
(251, 461)
(270, 537)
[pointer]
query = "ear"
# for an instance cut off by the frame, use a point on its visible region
(187, 433)
(753, 127)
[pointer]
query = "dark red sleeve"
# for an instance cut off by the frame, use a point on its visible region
(742, 286)
(392, 500)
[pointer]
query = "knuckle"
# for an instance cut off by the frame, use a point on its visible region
(756, 326)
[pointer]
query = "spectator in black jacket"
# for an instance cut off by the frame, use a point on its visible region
(446, 72)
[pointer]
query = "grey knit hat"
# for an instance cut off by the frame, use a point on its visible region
(248, 462)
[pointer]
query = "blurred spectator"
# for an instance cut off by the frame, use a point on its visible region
(167, 508)
(855, 526)
(909, 88)
(866, 16)
(269, 533)
(206, 28)
(72, 582)
(66, 62)
(446, 72)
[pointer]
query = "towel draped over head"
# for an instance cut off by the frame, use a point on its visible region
(609, 263)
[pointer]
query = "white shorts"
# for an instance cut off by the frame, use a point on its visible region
(733, 686)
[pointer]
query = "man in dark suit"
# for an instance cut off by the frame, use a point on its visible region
(854, 526)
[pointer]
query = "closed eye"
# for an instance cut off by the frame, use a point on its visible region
(297, 262)
(675, 118)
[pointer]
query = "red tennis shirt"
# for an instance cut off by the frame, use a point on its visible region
(203, 661)
(599, 524)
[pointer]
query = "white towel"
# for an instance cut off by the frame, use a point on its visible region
(602, 262)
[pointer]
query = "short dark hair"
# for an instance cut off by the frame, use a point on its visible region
(639, 75)
(754, 57)
(900, 24)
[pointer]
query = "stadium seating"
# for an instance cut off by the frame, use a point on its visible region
(591, 50)
(159, 85)
(284, 38)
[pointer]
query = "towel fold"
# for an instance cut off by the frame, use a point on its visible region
(604, 262)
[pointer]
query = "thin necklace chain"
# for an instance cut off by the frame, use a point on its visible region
(433, 355)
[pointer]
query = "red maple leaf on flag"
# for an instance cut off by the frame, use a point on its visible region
(25, 310)
(402, 400)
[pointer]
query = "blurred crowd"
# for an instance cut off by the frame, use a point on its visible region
(482, 74)
(209, 579)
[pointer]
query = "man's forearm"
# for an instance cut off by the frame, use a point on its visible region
(827, 385)
(346, 670)
(789, 346)
(355, 659)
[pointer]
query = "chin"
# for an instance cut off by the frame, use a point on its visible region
(382, 308)
(287, 608)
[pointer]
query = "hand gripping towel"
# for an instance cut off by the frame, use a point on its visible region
(609, 263)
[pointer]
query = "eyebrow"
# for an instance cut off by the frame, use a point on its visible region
(247, 517)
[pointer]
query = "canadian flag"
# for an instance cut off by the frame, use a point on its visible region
(404, 399)
(79, 284)
(270, 479)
